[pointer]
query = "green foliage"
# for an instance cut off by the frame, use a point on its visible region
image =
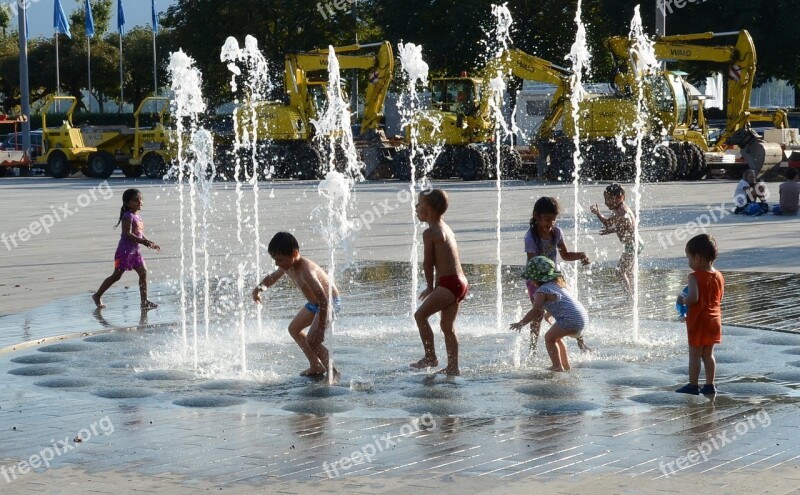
(450, 31)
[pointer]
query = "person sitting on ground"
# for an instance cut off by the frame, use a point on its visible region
(790, 195)
(748, 192)
(316, 315)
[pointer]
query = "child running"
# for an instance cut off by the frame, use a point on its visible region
(623, 223)
(551, 295)
(704, 318)
(316, 315)
(128, 257)
(545, 238)
(441, 256)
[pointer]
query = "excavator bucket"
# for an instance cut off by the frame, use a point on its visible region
(756, 152)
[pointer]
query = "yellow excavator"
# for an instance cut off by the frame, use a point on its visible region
(461, 119)
(687, 125)
(285, 130)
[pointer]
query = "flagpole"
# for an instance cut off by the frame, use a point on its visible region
(58, 76)
(89, 62)
(155, 66)
(121, 77)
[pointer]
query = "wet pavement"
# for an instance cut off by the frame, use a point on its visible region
(111, 400)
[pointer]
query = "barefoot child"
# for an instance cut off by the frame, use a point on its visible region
(313, 282)
(545, 238)
(623, 223)
(441, 257)
(128, 256)
(551, 295)
(704, 319)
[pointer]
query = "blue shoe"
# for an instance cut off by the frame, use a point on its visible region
(708, 389)
(689, 389)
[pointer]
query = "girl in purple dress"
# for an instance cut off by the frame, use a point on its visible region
(128, 256)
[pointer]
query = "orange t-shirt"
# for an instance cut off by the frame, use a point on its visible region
(704, 319)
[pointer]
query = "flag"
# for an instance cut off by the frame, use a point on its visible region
(155, 17)
(120, 17)
(60, 23)
(89, 21)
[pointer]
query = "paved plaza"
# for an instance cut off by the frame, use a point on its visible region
(120, 401)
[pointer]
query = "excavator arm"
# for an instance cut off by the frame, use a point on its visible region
(380, 65)
(739, 58)
(528, 67)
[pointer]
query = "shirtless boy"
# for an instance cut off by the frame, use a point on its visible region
(313, 282)
(623, 223)
(441, 257)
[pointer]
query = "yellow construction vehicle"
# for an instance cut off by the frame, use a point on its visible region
(153, 145)
(461, 119)
(686, 124)
(285, 131)
(64, 151)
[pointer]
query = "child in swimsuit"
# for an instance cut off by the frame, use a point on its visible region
(316, 314)
(128, 256)
(551, 295)
(441, 257)
(545, 238)
(623, 223)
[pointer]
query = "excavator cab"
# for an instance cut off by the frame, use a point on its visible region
(455, 95)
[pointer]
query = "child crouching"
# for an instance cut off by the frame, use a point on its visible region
(551, 295)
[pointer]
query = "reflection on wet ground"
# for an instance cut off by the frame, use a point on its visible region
(504, 416)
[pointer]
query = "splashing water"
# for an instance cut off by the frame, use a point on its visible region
(257, 86)
(580, 58)
(334, 127)
(499, 41)
(409, 106)
(188, 104)
(646, 64)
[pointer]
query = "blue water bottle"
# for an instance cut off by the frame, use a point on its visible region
(682, 308)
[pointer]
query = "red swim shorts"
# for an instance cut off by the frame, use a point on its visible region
(457, 284)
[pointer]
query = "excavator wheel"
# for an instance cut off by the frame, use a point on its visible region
(57, 165)
(402, 166)
(444, 164)
(100, 165)
(472, 163)
(659, 165)
(561, 163)
(153, 166)
(510, 162)
(699, 166)
(308, 162)
(683, 160)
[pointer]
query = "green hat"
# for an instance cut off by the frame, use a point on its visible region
(540, 269)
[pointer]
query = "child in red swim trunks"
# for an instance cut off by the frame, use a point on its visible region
(441, 256)
(704, 318)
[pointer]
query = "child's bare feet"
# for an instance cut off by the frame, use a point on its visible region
(425, 363)
(97, 301)
(449, 371)
(314, 371)
(556, 369)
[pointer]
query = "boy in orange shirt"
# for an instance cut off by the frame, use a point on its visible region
(704, 318)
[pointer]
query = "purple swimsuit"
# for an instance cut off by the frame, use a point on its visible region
(128, 256)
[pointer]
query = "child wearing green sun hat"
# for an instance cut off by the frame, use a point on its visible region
(551, 295)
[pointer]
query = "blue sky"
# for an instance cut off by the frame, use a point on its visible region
(40, 13)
